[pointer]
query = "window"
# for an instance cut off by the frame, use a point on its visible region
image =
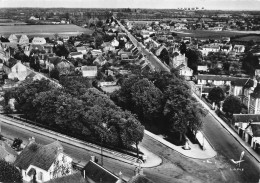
(40, 176)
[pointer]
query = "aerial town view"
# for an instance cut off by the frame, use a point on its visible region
(130, 91)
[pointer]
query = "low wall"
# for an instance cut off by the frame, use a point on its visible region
(69, 140)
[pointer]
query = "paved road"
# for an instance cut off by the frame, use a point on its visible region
(228, 148)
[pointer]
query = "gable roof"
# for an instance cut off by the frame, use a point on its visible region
(96, 173)
(216, 77)
(255, 129)
(73, 178)
(246, 82)
(140, 179)
(41, 156)
(89, 68)
(246, 118)
(75, 53)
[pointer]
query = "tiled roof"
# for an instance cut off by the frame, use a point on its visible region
(89, 68)
(41, 156)
(97, 173)
(216, 77)
(246, 118)
(73, 178)
(140, 179)
(75, 53)
(247, 82)
(255, 130)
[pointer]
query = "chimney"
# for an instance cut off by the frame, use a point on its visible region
(84, 173)
(92, 158)
(31, 140)
(120, 175)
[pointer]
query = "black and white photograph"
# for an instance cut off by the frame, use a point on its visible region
(130, 91)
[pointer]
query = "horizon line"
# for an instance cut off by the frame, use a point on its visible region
(137, 8)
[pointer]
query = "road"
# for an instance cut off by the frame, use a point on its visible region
(228, 148)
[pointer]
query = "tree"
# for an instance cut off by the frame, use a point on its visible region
(61, 50)
(25, 93)
(231, 105)
(147, 101)
(75, 85)
(55, 74)
(17, 143)
(164, 56)
(183, 47)
(9, 173)
(250, 63)
(194, 58)
(216, 95)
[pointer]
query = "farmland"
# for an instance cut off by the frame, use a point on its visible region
(206, 34)
(248, 38)
(44, 30)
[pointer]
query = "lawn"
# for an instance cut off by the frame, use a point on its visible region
(43, 30)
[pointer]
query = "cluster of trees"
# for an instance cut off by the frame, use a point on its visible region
(161, 99)
(78, 109)
(250, 63)
(9, 173)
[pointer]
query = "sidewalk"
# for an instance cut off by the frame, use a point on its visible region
(195, 151)
(230, 130)
(152, 159)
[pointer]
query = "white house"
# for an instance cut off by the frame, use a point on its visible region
(239, 48)
(24, 39)
(96, 53)
(34, 18)
(82, 49)
(114, 42)
(185, 71)
(76, 55)
(216, 80)
(16, 70)
(100, 60)
(178, 60)
(210, 48)
(38, 40)
(89, 71)
(43, 162)
(13, 38)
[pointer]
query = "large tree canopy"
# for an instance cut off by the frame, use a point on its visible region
(216, 95)
(232, 105)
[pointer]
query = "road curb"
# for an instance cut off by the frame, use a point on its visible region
(229, 129)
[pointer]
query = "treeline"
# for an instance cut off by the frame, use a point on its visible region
(77, 110)
(163, 100)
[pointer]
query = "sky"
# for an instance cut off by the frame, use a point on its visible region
(157, 4)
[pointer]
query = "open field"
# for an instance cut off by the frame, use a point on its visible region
(206, 34)
(248, 38)
(44, 30)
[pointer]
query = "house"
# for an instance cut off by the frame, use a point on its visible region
(43, 162)
(75, 55)
(82, 49)
(202, 68)
(65, 67)
(242, 88)
(100, 60)
(95, 173)
(159, 50)
(34, 18)
(24, 39)
(72, 178)
(210, 48)
(226, 48)
(7, 153)
(239, 48)
(185, 71)
(13, 38)
(178, 59)
(248, 128)
(107, 46)
(114, 43)
(217, 80)
(15, 69)
(96, 53)
(254, 100)
(89, 71)
(38, 40)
